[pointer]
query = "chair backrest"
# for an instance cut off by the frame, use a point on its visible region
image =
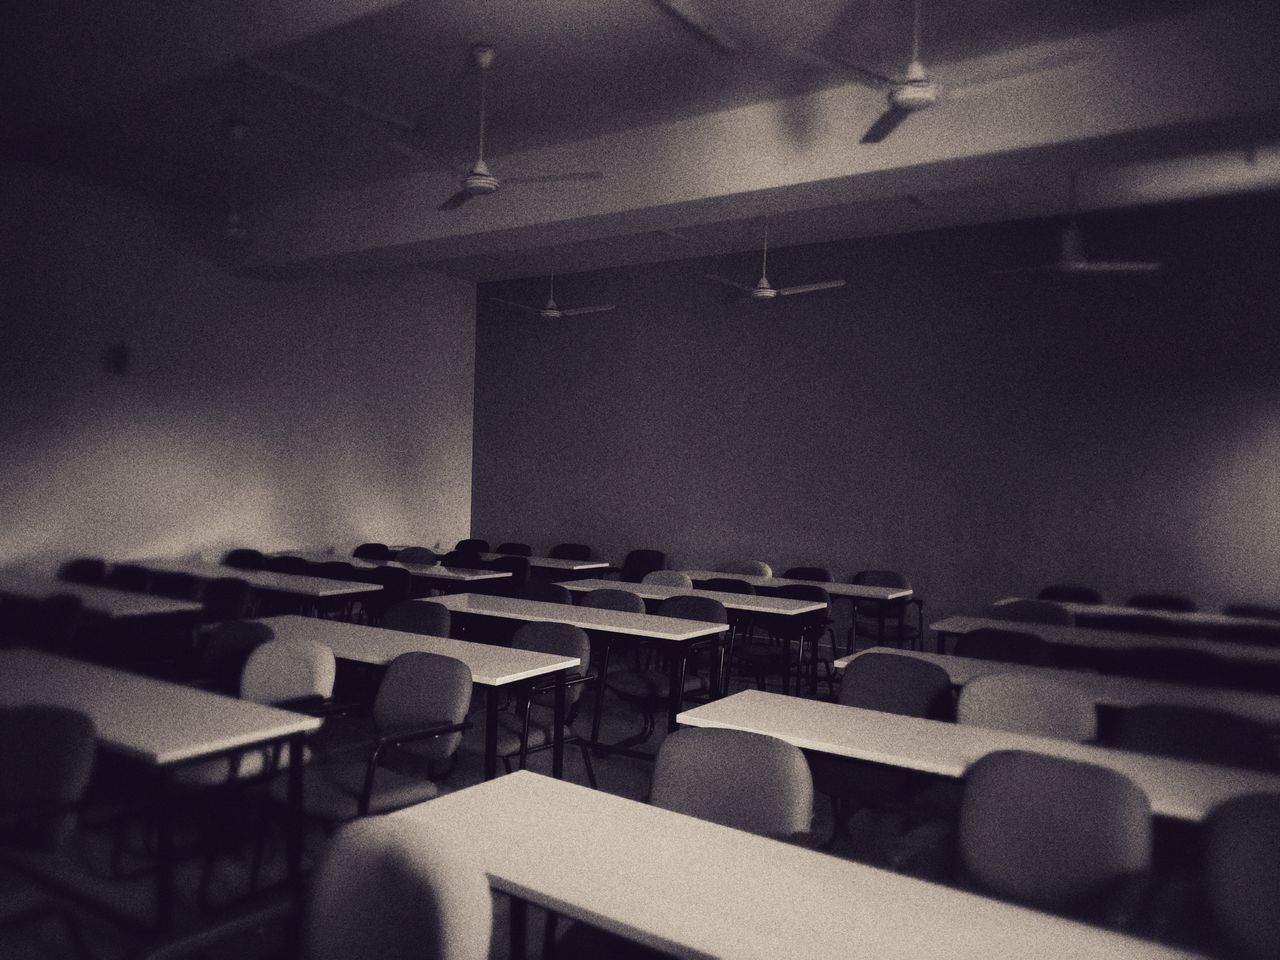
(519, 568)
(46, 754)
(898, 684)
(226, 650)
(1255, 611)
(743, 780)
(397, 584)
(226, 598)
(87, 570)
(693, 608)
(724, 585)
(639, 562)
(420, 555)
(280, 670)
(287, 564)
(243, 558)
(1031, 611)
(1242, 874)
(570, 551)
(669, 578)
(1191, 733)
(418, 616)
(397, 890)
(751, 568)
(820, 574)
(472, 545)
(1027, 704)
(128, 576)
(609, 599)
(880, 578)
(335, 570)
(1048, 832)
(464, 559)
(546, 591)
(1069, 593)
(1007, 646)
(1172, 602)
(560, 639)
(372, 551)
(420, 689)
(513, 548)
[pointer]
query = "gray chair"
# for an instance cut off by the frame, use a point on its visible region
(570, 551)
(420, 555)
(1242, 875)
(418, 616)
(1070, 593)
(668, 578)
(750, 568)
(1028, 704)
(606, 598)
(886, 620)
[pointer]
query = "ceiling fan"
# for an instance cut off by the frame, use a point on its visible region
(551, 311)
(478, 180)
(764, 290)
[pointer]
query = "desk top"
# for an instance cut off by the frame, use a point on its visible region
(554, 563)
(836, 589)
(732, 601)
(1186, 791)
(606, 860)
(1114, 639)
(157, 722)
(431, 571)
(290, 583)
(115, 604)
(588, 618)
(490, 665)
(1110, 689)
(1208, 619)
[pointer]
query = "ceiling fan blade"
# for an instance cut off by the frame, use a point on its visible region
(1113, 266)
(577, 311)
(810, 287)
(454, 202)
(515, 306)
(885, 124)
(573, 176)
(728, 283)
(860, 73)
(687, 14)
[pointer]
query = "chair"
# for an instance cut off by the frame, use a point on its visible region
(464, 559)
(298, 566)
(397, 890)
(519, 568)
(418, 718)
(419, 555)
(47, 756)
(472, 545)
(606, 598)
(639, 562)
(128, 576)
(1174, 603)
(817, 574)
(1242, 875)
(531, 729)
(372, 551)
(1007, 646)
(668, 578)
(397, 586)
(1192, 733)
(243, 558)
(225, 650)
(226, 598)
(546, 591)
(750, 568)
(336, 570)
(418, 616)
(514, 549)
(570, 551)
(1032, 611)
(1069, 593)
(1028, 704)
(888, 618)
(86, 570)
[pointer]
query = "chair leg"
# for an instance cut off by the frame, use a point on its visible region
(549, 935)
(586, 762)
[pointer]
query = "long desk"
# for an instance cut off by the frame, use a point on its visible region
(491, 666)
(1185, 791)
(674, 632)
(1200, 622)
(556, 564)
(424, 574)
(312, 590)
(848, 591)
(161, 726)
(698, 890)
(103, 601)
(1108, 689)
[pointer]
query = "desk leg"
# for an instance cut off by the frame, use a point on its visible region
(293, 828)
(601, 674)
(517, 928)
(679, 662)
(718, 666)
(557, 732)
(491, 733)
(165, 852)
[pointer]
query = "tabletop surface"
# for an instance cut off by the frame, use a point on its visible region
(588, 618)
(554, 563)
(853, 590)
(490, 665)
(1176, 788)
(431, 570)
(732, 601)
(697, 889)
(151, 720)
(1113, 639)
(1110, 689)
(291, 583)
(100, 600)
(1205, 618)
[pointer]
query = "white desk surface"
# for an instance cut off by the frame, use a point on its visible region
(1114, 639)
(696, 889)
(100, 600)
(151, 720)
(1202, 618)
(588, 618)
(296, 584)
(732, 601)
(851, 590)
(1186, 791)
(433, 570)
(554, 563)
(490, 665)
(1105, 688)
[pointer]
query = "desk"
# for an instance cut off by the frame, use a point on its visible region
(555, 564)
(847, 591)
(1178, 789)
(430, 574)
(696, 889)
(1201, 622)
(675, 632)
(312, 589)
(103, 601)
(491, 666)
(161, 726)
(1107, 689)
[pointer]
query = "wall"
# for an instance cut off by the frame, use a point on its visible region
(984, 435)
(276, 413)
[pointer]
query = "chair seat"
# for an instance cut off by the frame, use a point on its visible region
(253, 764)
(650, 684)
(332, 789)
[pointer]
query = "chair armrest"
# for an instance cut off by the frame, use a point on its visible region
(318, 706)
(412, 734)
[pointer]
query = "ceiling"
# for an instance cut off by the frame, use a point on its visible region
(292, 115)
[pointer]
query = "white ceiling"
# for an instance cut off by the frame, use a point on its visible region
(691, 137)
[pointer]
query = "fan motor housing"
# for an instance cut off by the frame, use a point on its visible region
(915, 95)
